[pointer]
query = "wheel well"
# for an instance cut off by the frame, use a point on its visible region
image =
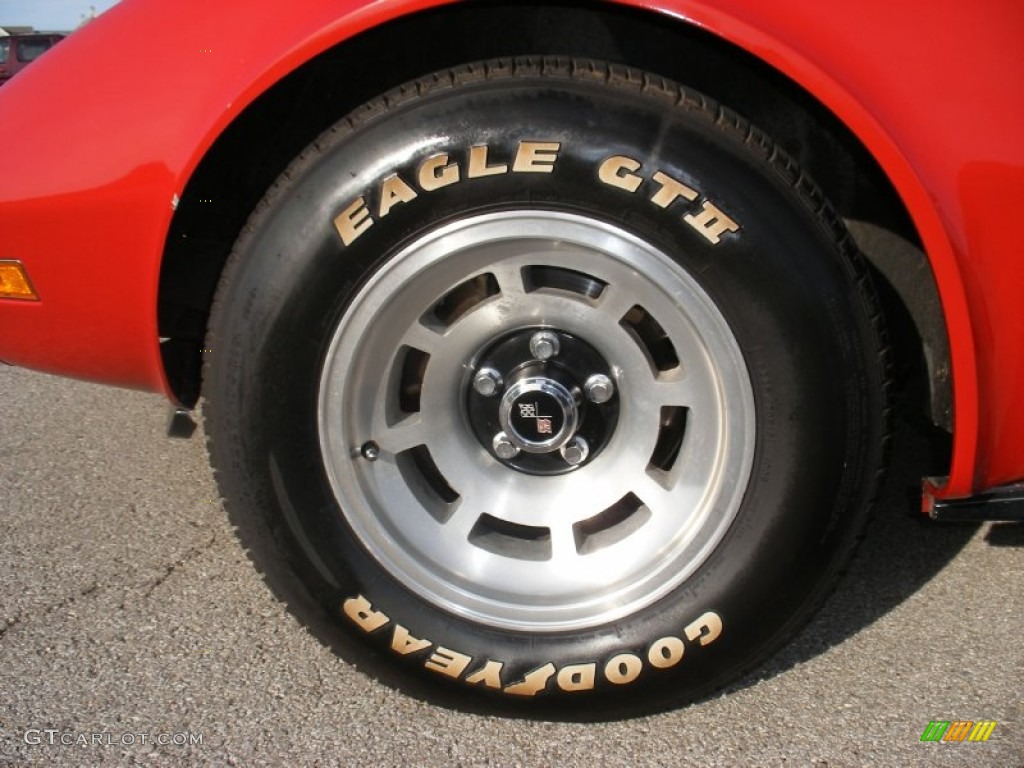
(256, 148)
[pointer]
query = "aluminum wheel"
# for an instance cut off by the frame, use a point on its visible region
(503, 546)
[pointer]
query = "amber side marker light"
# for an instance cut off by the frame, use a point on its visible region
(14, 282)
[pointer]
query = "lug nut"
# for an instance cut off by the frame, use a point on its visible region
(575, 451)
(544, 345)
(599, 388)
(487, 382)
(503, 447)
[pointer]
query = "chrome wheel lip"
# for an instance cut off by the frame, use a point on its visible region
(431, 553)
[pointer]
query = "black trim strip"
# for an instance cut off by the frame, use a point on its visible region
(1000, 504)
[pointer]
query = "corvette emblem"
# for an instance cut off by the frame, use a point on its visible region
(532, 411)
(528, 411)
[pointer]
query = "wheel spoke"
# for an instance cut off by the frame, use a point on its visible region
(614, 303)
(510, 280)
(406, 434)
(423, 338)
(663, 503)
(459, 525)
(678, 389)
(563, 545)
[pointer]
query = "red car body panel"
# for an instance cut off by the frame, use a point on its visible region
(95, 156)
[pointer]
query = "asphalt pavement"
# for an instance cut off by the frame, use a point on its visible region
(134, 631)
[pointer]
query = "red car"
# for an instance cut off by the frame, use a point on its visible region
(550, 351)
(18, 51)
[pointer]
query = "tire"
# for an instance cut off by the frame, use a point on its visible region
(549, 384)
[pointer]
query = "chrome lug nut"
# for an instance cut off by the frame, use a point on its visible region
(599, 388)
(503, 447)
(575, 451)
(544, 345)
(487, 382)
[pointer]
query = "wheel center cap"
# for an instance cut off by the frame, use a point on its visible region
(538, 414)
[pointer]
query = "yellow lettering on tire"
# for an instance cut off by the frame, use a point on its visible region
(536, 157)
(439, 170)
(478, 164)
(670, 190)
(448, 662)
(403, 643)
(489, 674)
(436, 172)
(707, 627)
(577, 677)
(666, 652)
(616, 172)
(621, 669)
(534, 682)
(361, 612)
(624, 668)
(353, 221)
(393, 191)
(711, 222)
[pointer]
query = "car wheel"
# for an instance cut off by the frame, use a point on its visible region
(552, 382)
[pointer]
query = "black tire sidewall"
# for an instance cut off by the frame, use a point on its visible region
(784, 283)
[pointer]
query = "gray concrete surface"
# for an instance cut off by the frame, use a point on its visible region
(128, 608)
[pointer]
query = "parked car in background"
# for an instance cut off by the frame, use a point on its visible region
(548, 351)
(18, 51)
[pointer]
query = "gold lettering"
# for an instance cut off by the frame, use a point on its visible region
(708, 627)
(404, 643)
(624, 668)
(615, 171)
(436, 172)
(353, 221)
(670, 191)
(478, 164)
(711, 222)
(577, 677)
(534, 682)
(361, 612)
(536, 157)
(489, 674)
(392, 192)
(448, 662)
(666, 652)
